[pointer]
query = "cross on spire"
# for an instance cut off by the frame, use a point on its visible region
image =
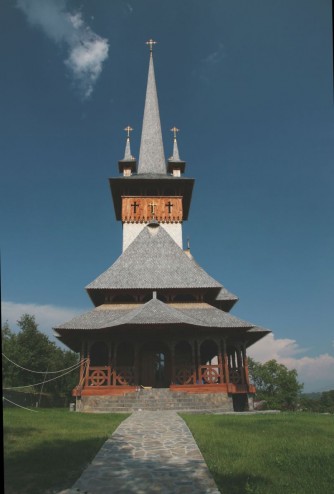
(175, 131)
(128, 129)
(150, 42)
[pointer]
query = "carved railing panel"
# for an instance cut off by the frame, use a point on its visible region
(235, 376)
(125, 376)
(185, 375)
(99, 376)
(210, 374)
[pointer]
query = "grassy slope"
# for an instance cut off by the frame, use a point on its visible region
(261, 454)
(49, 449)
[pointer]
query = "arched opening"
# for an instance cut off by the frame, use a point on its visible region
(124, 369)
(98, 354)
(125, 354)
(155, 365)
(184, 371)
(210, 372)
(209, 352)
(183, 353)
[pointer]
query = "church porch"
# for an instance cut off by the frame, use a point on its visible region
(207, 363)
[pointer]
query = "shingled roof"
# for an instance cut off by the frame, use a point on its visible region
(157, 313)
(152, 261)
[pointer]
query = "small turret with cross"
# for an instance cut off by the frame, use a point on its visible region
(128, 164)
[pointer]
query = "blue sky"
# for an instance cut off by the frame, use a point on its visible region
(250, 86)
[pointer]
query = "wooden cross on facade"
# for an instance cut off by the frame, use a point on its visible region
(152, 206)
(135, 205)
(169, 205)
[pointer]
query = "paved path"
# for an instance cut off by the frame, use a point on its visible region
(149, 453)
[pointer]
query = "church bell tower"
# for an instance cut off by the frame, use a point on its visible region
(156, 193)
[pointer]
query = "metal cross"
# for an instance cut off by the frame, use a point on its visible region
(169, 205)
(175, 130)
(150, 42)
(128, 129)
(152, 206)
(135, 205)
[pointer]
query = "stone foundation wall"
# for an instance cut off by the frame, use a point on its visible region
(156, 399)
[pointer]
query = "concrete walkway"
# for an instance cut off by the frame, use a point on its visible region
(149, 453)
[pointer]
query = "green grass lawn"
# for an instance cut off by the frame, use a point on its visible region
(288, 453)
(47, 450)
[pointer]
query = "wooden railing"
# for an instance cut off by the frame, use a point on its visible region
(183, 375)
(210, 374)
(109, 376)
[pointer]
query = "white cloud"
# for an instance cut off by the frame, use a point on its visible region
(216, 56)
(86, 50)
(317, 373)
(47, 316)
(209, 64)
(130, 8)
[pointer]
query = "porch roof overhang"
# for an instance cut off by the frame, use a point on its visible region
(156, 314)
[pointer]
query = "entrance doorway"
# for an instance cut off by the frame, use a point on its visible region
(155, 366)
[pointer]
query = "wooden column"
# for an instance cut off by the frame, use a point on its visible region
(199, 373)
(109, 372)
(114, 366)
(245, 363)
(172, 361)
(234, 365)
(240, 364)
(88, 363)
(87, 372)
(220, 362)
(82, 365)
(193, 360)
(227, 374)
(136, 363)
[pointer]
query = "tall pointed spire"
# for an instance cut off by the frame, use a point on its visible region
(175, 156)
(151, 155)
(127, 154)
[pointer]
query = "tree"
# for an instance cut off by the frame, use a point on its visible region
(9, 372)
(327, 401)
(275, 384)
(33, 350)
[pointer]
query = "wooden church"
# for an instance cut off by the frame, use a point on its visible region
(160, 321)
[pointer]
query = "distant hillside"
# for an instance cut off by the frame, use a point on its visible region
(312, 396)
